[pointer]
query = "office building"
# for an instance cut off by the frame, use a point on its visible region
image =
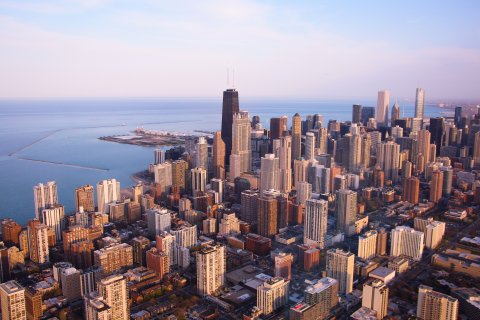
(272, 294)
(367, 245)
(12, 296)
(241, 142)
(433, 305)
(269, 173)
(395, 113)
(437, 128)
(340, 266)
(211, 268)
(315, 226)
(278, 126)
(300, 168)
(383, 103)
(407, 241)
(375, 297)
(230, 107)
(419, 103)
(84, 198)
(304, 192)
(309, 146)
(201, 153)
(108, 191)
(389, 159)
(367, 113)
(356, 113)
(44, 195)
(218, 156)
(282, 148)
(296, 137)
(249, 206)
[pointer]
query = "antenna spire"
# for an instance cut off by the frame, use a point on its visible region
(233, 85)
(228, 77)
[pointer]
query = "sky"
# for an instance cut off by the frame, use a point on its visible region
(286, 49)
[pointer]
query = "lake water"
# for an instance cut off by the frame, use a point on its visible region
(67, 131)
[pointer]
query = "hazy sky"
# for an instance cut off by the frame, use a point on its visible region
(299, 49)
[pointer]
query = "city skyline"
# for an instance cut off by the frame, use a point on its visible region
(61, 49)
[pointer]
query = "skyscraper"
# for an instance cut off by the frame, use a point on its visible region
(432, 305)
(346, 210)
(282, 148)
(419, 103)
(356, 113)
(218, 156)
(267, 224)
(241, 141)
(309, 146)
(210, 269)
(84, 197)
(411, 190)
(296, 137)
(53, 217)
(113, 289)
(340, 266)
(395, 113)
(407, 241)
(389, 159)
(367, 245)
(179, 174)
(38, 241)
(269, 173)
(44, 195)
(324, 293)
(278, 126)
(230, 107)
(201, 154)
(437, 129)
(436, 185)
(198, 179)
(108, 191)
(12, 296)
(383, 104)
(272, 294)
(283, 265)
(315, 226)
(159, 220)
(375, 297)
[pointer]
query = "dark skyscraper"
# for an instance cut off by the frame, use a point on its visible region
(458, 115)
(367, 113)
(230, 107)
(436, 131)
(356, 113)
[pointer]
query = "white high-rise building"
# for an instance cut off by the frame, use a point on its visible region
(113, 289)
(269, 173)
(108, 191)
(340, 266)
(383, 104)
(315, 226)
(375, 297)
(12, 296)
(397, 132)
(434, 232)
(300, 167)
(53, 217)
(218, 186)
(201, 153)
(309, 146)
(96, 308)
(367, 245)
(389, 159)
(241, 142)
(198, 178)
(419, 103)
(272, 294)
(44, 195)
(159, 220)
(407, 241)
(185, 235)
(211, 269)
(324, 293)
(433, 305)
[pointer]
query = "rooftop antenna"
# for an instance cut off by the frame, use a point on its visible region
(233, 85)
(228, 78)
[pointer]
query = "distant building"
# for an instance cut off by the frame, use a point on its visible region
(272, 294)
(340, 266)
